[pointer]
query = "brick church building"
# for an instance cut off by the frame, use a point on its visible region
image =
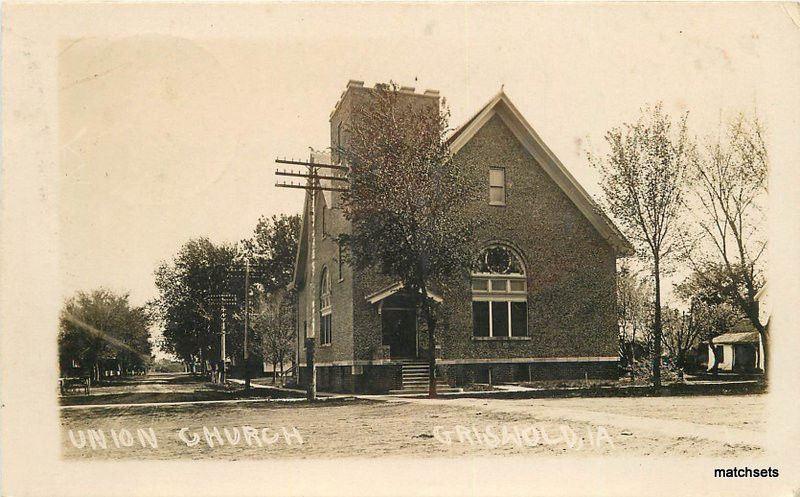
(541, 300)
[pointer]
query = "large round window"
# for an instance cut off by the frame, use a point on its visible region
(499, 260)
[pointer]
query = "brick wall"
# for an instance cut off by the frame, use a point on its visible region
(373, 379)
(570, 268)
(465, 374)
(341, 347)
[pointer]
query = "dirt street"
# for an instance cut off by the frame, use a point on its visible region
(689, 426)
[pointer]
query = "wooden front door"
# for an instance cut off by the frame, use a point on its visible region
(400, 332)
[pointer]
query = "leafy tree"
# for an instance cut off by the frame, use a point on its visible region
(272, 250)
(644, 176)
(201, 269)
(406, 199)
(274, 245)
(99, 326)
(711, 305)
(728, 244)
(186, 284)
(274, 320)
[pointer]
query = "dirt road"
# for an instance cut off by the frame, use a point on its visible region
(689, 426)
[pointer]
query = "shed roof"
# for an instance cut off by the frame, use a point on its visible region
(734, 338)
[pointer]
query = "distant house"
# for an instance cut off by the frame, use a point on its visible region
(738, 351)
(541, 300)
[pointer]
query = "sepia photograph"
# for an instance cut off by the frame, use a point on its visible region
(400, 248)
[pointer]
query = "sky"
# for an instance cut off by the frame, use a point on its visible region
(169, 129)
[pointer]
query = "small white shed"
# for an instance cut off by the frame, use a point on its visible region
(736, 352)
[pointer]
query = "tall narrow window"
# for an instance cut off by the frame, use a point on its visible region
(325, 311)
(499, 295)
(497, 186)
(324, 212)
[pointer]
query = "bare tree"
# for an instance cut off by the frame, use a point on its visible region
(274, 321)
(644, 177)
(682, 332)
(632, 312)
(730, 184)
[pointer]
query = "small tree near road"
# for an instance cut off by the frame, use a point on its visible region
(405, 201)
(682, 332)
(633, 302)
(643, 179)
(274, 322)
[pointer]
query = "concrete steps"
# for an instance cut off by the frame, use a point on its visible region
(415, 379)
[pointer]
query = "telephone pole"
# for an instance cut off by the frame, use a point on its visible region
(222, 300)
(254, 269)
(222, 354)
(246, 322)
(312, 186)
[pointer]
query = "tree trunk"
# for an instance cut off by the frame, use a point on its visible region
(633, 353)
(431, 324)
(751, 311)
(431, 357)
(657, 326)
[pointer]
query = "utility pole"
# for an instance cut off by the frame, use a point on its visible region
(312, 186)
(222, 351)
(246, 323)
(310, 341)
(250, 269)
(223, 300)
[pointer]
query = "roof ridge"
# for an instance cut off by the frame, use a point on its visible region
(550, 162)
(485, 106)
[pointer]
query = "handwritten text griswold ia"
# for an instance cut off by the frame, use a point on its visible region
(146, 438)
(523, 435)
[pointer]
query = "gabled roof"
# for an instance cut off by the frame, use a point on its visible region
(302, 248)
(320, 157)
(390, 290)
(762, 293)
(501, 106)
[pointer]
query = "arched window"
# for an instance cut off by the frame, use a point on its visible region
(499, 294)
(325, 308)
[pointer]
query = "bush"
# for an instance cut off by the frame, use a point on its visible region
(643, 371)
